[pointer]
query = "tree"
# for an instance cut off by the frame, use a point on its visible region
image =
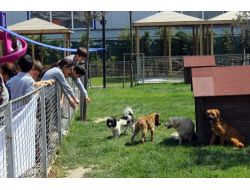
(182, 43)
(88, 17)
(243, 22)
(146, 43)
(227, 42)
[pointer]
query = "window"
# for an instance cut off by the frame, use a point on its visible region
(78, 20)
(197, 14)
(44, 15)
(62, 18)
(211, 14)
(69, 19)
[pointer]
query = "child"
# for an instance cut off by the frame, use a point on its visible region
(78, 59)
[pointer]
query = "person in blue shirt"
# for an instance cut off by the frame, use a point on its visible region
(23, 83)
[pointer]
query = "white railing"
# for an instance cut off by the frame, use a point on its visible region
(31, 130)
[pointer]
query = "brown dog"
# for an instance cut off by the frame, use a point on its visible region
(224, 131)
(144, 124)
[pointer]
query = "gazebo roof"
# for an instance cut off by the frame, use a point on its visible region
(225, 18)
(168, 18)
(38, 26)
(221, 81)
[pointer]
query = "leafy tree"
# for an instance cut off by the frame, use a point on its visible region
(182, 43)
(243, 23)
(227, 42)
(146, 43)
(88, 17)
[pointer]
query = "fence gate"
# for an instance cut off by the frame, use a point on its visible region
(138, 62)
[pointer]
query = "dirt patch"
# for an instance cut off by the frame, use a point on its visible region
(78, 172)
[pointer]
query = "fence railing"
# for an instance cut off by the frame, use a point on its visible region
(146, 67)
(31, 130)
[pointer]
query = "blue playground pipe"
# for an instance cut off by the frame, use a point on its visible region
(46, 45)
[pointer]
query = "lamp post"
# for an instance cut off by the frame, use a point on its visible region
(103, 23)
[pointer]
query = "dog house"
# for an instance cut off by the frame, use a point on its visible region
(224, 88)
(196, 61)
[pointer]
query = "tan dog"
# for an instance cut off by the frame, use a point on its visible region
(144, 124)
(224, 131)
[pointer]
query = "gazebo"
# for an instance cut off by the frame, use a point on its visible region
(41, 27)
(202, 30)
(168, 20)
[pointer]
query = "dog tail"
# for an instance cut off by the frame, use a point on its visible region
(128, 111)
(237, 143)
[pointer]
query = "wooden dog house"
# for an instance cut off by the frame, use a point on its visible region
(194, 62)
(224, 88)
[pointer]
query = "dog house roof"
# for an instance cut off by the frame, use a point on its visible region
(199, 61)
(221, 81)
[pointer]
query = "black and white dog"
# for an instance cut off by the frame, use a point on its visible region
(121, 125)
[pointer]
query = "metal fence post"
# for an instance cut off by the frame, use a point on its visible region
(59, 114)
(44, 138)
(10, 143)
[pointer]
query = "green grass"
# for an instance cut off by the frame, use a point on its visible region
(89, 145)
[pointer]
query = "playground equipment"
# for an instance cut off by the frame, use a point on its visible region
(10, 55)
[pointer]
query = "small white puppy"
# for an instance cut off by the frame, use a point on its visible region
(184, 128)
(121, 125)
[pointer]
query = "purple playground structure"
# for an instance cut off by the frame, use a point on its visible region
(8, 54)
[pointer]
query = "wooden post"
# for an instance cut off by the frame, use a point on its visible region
(33, 47)
(170, 52)
(68, 44)
(41, 50)
(165, 42)
(201, 41)
(137, 40)
(193, 40)
(196, 40)
(65, 44)
(212, 40)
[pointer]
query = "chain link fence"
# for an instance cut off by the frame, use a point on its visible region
(146, 68)
(31, 130)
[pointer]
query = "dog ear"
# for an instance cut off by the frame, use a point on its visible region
(172, 122)
(217, 112)
(157, 116)
(157, 119)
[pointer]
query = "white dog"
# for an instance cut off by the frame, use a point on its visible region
(121, 125)
(184, 128)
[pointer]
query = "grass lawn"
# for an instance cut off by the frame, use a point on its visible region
(89, 145)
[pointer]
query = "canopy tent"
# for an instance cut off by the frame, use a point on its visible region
(40, 27)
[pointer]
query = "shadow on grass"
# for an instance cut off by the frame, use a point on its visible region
(134, 144)
(220, 157)
(112, 137)
(213, 157)
(173, 142)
